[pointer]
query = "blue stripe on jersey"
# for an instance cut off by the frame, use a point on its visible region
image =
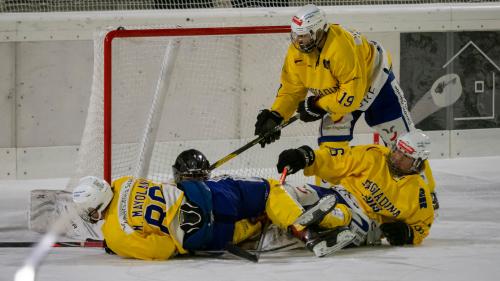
(386, 107)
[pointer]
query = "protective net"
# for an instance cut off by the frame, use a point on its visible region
(175, 92)
(15, 6)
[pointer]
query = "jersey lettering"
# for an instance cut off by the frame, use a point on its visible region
(348, 100)
(155, 212)
(378, 200)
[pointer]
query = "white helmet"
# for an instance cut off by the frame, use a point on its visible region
(91, 195)
(308, 28)
(416, 145)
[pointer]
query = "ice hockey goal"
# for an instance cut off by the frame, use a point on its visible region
(159, 91)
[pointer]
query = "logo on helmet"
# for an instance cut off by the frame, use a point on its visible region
(297, 21)
(405, 147)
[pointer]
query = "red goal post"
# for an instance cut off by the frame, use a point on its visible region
(124, 33)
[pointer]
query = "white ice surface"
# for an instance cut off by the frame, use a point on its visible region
(464, 243)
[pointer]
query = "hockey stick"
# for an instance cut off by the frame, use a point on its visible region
(216, 253)
(83, 244)
(253, 142)
(258, 251)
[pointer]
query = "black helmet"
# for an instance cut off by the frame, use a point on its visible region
(191, 164)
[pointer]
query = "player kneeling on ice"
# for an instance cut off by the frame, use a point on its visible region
(153, 221)
(392, 187)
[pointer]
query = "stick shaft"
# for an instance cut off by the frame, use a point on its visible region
(252, 143)
(84, 244)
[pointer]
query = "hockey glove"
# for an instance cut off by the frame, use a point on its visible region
(266, 121)
(295, 159)
(309, 111)
(397, 233)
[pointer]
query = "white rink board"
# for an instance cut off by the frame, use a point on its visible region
(46, 162)
(479, 142)
(7, 163)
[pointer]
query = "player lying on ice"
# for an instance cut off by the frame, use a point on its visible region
(388, 185)
(152, 221)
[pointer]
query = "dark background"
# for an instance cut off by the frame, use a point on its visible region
(423, 56)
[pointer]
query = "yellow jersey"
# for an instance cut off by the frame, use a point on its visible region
(143, 220)
(364, 172)
(139, 220)
(339, 75)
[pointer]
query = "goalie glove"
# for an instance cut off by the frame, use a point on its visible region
(309, 111)
(397, 233)
(295, 159)
(266, 121)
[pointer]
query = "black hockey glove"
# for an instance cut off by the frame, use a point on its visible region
(309, 111)
(295, 159)
(397, 233)
(266, 121)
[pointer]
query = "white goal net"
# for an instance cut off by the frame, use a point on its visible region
(210, 84)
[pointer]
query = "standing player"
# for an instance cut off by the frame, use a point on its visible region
(148, 220)
(388, 185)
(345, 74)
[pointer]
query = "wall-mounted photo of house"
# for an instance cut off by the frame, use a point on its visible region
(450, 79)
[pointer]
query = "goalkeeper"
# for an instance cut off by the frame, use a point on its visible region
(345, 75)
(153, 221)
(393, 188)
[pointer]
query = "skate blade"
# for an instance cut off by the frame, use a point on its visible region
(344, 238)
(316, 213)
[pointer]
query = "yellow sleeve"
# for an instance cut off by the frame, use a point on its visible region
(281, 208)
(151, 247)
(421, 222)
(415, 198)
(428, 176)
(244, 229)
(291, 91)
(421, 230)
(333, 163)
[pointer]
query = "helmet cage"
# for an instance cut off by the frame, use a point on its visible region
(190, 174)
(307, 42)
(88, 215)
(416, 166)
(414, 145)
